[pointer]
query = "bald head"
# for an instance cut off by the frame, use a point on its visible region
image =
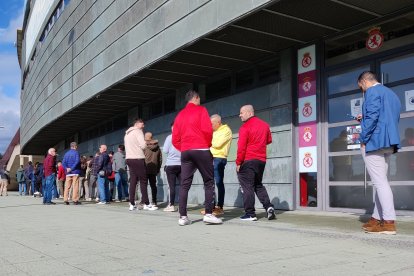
(148, 136)
(52, 151)
(102, 148)
(246, 112)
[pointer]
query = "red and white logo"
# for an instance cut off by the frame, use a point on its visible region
(375, 39)
(308, 160)
(307, 135)
(307, 110)
(306, 60)
(307, 85)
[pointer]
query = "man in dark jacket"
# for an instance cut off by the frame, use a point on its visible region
(29, 175)
(21, 180)
(104, 169)
(71, 164)
(4, 181)
(49, 165)
(153, 161)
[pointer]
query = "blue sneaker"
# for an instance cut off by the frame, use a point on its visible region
(248, 217)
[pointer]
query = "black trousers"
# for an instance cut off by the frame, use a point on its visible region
(190, 161)
(152, 179)
(250, 177)
(173, 174)
(137, 172)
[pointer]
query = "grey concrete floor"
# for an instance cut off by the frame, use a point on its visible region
(109, 240)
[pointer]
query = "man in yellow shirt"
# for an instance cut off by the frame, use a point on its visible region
(220, 146)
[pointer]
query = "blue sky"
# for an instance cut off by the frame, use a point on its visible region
(11, 18)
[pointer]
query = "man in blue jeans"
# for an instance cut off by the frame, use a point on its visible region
(49, 165)
(103, 171)
(119, 167)
(220, 146)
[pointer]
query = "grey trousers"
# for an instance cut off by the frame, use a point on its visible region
(377, 167)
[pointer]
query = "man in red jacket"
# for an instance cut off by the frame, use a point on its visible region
(49, 166)
(254, 136)
(192, 135)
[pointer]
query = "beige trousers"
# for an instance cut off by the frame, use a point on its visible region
(72, 181)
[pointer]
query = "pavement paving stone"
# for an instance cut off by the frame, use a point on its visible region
(109, 240)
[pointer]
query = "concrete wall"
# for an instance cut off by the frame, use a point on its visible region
(95, 44)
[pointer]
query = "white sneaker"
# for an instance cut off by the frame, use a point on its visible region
(169, 208)
(212, 219)
(150, 207)
(97, 199)
(101, 203)
(184, 221)
(132, 207)
(89, 199)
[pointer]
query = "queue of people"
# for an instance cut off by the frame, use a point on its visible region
(200, 142)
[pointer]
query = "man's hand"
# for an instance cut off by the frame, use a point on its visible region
(359, 117)
(362, 145)
(237, 168)
(68, 170)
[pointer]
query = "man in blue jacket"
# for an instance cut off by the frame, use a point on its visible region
(71, 164)
(379, 139)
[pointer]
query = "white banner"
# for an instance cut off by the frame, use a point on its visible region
(409, 100)
(306, 59)
(308, 158)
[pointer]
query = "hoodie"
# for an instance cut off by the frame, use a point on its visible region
(134, 143)
(153, 157)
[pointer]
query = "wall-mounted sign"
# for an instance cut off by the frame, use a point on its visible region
(307, 135)
(307, 84)
(356, 106)
(352, 138)
(307, 109)
(375, 39)
(308, 159)
(409, 100)
(306, 59)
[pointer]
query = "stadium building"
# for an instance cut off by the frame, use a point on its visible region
(90, 67)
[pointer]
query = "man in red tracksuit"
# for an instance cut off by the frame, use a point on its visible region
(254, 136)
(192, 135)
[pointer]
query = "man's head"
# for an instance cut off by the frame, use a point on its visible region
(59, 163)
(52, 151)
(111, 153)
(215, 121)
(192, 97)
(73, 145)
(148, 136)
(30, 163)
(366, 80)
(121, 148)
(246, 112)
(139, 123)
(102, 148)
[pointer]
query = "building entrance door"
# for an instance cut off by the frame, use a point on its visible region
(346, 182)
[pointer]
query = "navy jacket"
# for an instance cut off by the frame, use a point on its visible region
(381, 115)
(71, 160)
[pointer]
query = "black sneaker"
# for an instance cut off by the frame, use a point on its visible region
(52, 203)
(248, 217)
(77, 203)
(66, 202)
(271, 213)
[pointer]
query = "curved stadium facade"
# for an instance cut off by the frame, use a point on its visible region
(90, 67)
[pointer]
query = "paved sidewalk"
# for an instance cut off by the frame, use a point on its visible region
(109, 240)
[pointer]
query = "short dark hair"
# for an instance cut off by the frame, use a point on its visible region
(121, 147)
(367, 75)
(138, 120)
(190, 95)
(111, 152)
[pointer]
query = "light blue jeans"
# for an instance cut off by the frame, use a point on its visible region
(103, 188)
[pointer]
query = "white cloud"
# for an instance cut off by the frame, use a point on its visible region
(9, 70)
(9, 34)
(9, 118)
